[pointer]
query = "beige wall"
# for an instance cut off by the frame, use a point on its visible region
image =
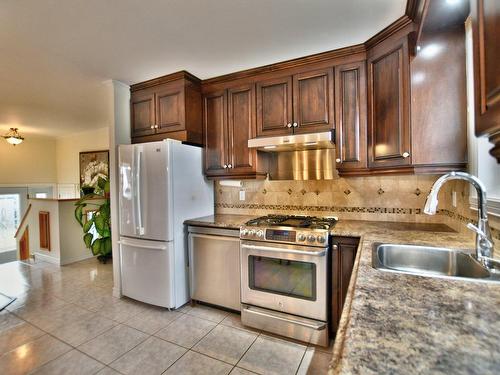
(68, 150)
(31, 162)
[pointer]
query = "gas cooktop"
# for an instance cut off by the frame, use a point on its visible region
(303, 230)
(292, 221)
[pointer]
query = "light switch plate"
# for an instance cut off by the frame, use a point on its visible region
(242, 195)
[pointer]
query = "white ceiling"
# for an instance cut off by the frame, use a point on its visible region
(55, 54)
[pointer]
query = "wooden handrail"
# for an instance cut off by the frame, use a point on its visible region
(22, 220)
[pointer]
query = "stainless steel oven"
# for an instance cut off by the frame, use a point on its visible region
(284, 281)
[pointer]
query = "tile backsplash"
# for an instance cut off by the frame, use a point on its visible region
(390, 198)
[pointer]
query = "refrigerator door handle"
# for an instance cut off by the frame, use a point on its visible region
(135, 244)
(138, 195)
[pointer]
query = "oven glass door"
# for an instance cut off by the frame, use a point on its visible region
(285, 277)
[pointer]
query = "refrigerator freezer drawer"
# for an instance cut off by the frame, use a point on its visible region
(147, 269)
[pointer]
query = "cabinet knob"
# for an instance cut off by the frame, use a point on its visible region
(225, 166)
(295, 125)
(156, 126)
(289, 125)
(335, 247)
(338, 160)
(152, 126)
(229, 165)
(406, 154)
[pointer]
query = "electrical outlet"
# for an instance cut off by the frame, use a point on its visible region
(242, 195)
(454, 198)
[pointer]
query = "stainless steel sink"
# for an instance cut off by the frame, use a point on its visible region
(429, 261)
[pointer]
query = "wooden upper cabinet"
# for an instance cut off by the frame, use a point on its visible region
(486, 35)
(167, 107)
(170, 108)
(313, 101)
(274, 106)
(241, 127)
(216, 140)
(389, 106)
(142, 112)
(350, 95)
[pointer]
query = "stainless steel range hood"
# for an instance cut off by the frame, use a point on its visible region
(296, 142)
(299, 157)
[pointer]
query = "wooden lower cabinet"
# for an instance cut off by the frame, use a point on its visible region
(344, 250)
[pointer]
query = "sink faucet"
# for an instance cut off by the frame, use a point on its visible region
(484, 241)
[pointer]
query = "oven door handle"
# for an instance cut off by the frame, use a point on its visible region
(319, 253)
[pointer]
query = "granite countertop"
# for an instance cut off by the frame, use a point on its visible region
(220, 221)
(405, 324)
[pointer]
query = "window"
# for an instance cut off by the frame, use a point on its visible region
(481, 163)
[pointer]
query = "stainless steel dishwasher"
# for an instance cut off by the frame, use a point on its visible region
(214, 266)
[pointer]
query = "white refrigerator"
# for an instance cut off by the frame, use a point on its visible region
(161, 185)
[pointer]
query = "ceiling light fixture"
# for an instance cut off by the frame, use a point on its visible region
(13, 137)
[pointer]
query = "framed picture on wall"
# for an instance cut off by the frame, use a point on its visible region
(93, 164)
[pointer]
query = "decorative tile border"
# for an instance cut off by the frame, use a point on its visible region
(375, 210)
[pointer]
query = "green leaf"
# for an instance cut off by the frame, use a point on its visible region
(88, 225)
(107, 187)
(106, 246)
(96, 247)
(105, 210)
(100, 223)
(101, 182)
(88, 240)
(79, 213)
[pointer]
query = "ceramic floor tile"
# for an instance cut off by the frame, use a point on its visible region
(120, 311)
(186, 331)
(27, 357)
(113, 343)
(108, 371)
(194, 364)
(8, 320)
(314, 363)
(269, 355)
(50, 321)
(73, 362)
(151, 321)
(17, 336)
(241, 371)
(226, 343)
(78, 332)
(152, 356)
(208, 313)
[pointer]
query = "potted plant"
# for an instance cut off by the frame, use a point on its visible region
(97, 227)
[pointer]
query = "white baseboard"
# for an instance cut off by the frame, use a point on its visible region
(47, 258)
(76, 259)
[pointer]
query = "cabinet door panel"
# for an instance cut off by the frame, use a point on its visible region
(350, 84)
(388, 86)
(169, 109)
(313, 101)
(215, 128)
(142, 113)
(241, 126)
(274, 106)
(486, 33)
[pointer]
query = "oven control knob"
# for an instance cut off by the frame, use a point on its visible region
(311, 238)
(301, 237)
(260, 233)
(251, 232)
(320, 239)
(244, 232)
